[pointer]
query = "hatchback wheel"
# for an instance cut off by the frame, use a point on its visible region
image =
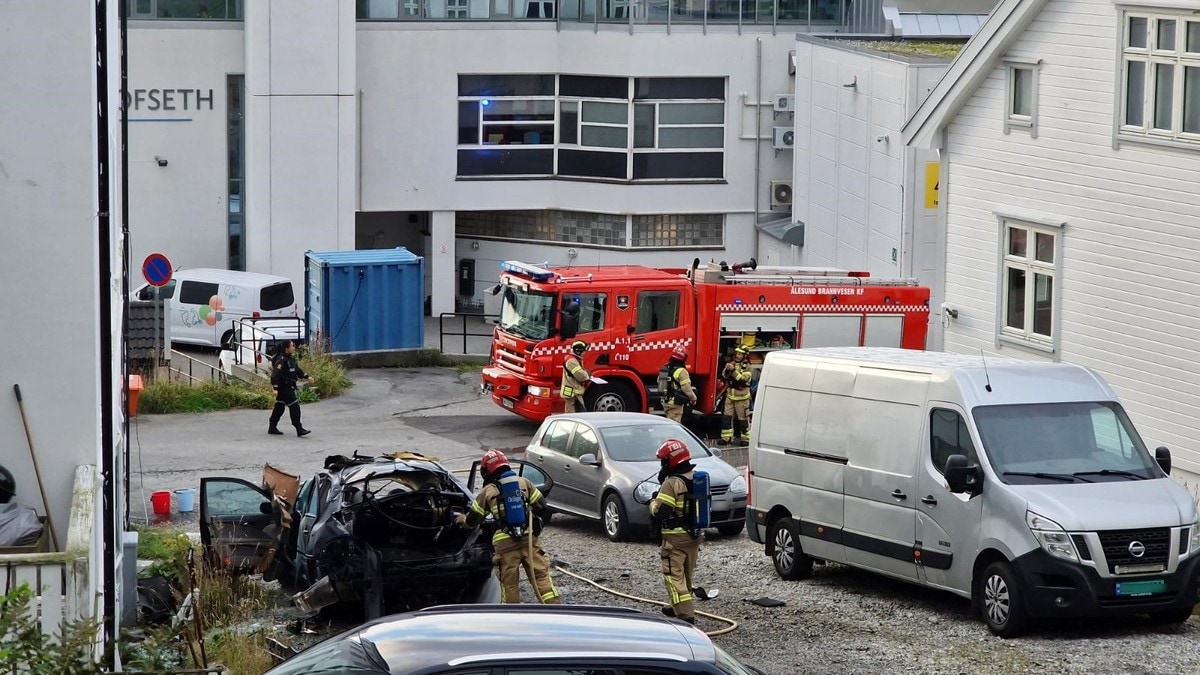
(616, 525)
(1002, 602)
(790, 561)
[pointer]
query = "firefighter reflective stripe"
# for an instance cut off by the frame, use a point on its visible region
(573, 378)
(670, 496)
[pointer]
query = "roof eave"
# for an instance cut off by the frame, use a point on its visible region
(968, 70)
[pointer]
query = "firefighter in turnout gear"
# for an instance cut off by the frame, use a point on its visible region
(574, 378)
(514, 545)
(737, 377)
(675, 385)
(680, 543)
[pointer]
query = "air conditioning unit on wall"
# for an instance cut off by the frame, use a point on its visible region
(785, 103)
(784, 137)
(781, 194)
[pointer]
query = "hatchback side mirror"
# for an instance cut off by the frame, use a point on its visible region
(1163, 456)
(716, 452)
(961, 477)
(589, 460)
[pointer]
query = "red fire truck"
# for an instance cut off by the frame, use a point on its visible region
(632, 317)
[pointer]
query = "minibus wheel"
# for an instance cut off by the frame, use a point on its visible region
(1002, 600)
(790, 561)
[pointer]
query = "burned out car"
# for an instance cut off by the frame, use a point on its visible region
(377, 532)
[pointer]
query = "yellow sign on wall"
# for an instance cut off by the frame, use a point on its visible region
(932, 183)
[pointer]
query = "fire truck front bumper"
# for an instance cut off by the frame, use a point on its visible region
(531, 401)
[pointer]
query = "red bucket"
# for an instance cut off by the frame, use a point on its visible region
(161, 501)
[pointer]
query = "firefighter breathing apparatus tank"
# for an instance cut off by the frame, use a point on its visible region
(699, 503)
(514, 503)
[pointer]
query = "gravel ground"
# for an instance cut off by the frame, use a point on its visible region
(846, 621)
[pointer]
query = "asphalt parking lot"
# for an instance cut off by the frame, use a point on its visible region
(841, 621)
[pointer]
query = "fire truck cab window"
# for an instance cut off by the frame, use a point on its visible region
(657, 310)
(591, 311)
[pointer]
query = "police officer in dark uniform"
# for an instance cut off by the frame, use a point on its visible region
(285, 373)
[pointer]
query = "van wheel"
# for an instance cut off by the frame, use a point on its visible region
(1002, 600)
(610, 398)
(731, 529)
(612, 514)
(790, 561)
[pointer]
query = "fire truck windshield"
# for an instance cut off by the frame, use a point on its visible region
(527, 313)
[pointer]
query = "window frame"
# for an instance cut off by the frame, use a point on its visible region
(704, 162)
(1178, 57)
(1012, 119)
(1026, 336)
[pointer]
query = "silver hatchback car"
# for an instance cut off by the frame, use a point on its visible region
(603, 467)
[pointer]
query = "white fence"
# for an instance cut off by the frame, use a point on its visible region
(60, 580)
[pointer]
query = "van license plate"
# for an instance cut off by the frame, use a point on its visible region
(1140, 588)
(507, 403)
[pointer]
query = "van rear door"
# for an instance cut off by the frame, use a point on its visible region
(277, 300)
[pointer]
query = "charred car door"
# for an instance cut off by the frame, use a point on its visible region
(238, 525)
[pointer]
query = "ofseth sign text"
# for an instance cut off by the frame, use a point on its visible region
(169, 100)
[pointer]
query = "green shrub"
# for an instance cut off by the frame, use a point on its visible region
(24, 648)
(177, 397)
(168, 548)
(326, 375)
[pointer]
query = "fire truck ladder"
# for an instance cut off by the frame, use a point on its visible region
(813, 276)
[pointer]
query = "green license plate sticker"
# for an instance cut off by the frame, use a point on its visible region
(1137, 588)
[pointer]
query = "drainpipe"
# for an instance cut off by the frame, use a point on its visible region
(757, 139)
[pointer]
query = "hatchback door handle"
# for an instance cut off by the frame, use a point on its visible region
(929, 499)
(566, 467)
(899, 495)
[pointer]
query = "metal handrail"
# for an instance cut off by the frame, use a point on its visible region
(257, 349)
(442, 328)
(214, 372)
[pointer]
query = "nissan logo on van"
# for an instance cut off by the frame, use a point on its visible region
(1137, 549)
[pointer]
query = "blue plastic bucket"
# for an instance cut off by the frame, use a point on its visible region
(187, 499)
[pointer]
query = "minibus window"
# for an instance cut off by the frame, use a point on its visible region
(197, 292)
(277, 296)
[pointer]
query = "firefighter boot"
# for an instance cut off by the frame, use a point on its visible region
(742, 430)
(727, 423)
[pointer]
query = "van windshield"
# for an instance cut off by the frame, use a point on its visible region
(527, 313)
(1063, 443)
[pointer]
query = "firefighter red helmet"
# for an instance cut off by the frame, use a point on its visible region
(680, 354)
(492, 461)
(673, 452)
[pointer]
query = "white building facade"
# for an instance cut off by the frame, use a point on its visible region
(1069, 133)
(60, 196)
(864, 199)
(468, 132)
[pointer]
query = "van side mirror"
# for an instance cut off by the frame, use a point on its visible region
(1163, 456)
(961, 477)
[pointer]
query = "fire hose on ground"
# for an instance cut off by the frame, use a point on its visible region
(721, 631)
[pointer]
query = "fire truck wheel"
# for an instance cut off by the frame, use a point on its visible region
(610, 398)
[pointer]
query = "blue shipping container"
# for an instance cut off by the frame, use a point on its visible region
(365, 300)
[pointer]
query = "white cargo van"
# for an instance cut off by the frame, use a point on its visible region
(1020, 485)
(205, 304)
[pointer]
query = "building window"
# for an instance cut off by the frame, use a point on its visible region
(185, 9)
(1030, 270)
(608, 128)
(1021, 109)
(1160, 77)
(704, 230)
(235, 150)
(671, 231)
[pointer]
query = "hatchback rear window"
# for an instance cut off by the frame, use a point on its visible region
(277, 296)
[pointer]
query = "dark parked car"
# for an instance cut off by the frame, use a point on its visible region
(371, 531)
(518, 640)
(605, 468)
